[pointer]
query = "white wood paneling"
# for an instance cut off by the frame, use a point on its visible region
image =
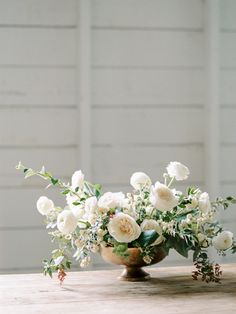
(212, 111)
(37, 86)
(19, 207)
(25, 249)
(227, 10)
(142, 48)
(228, 49)
(228, 161)
(228, 87)
(115, 164)
(147, 126)
(151, 13)
(27, 46)
(38, 12)
(84, 82)
(147, 86)
(36, 157)
(228, 125)
(34, 127)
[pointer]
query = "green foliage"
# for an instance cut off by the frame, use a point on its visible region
(182, 246)
(225, 203)
(146, 238)
(121, 249)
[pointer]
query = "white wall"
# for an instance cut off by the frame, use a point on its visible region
(148, 88)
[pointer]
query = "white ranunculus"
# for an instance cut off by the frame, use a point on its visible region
(124, 228)
(177, 170)
(204, 202)
(77, 179)
(140, 179)
(162, 197)
(78, 211)
(91, 205)
(66, 222)
(45, 205)
(223, 240)
(111, 200)
(151, 224)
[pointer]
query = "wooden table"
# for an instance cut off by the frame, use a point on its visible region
(171, 290)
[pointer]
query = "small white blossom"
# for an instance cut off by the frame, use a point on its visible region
(147, 259)
(223, 240)
(85, 262)
(162, 197)
(177, 170)
(204, 202)
(91, 205)
(111, 200)
(139, 180)
(66, 222)
(77, 180)
(45, 205)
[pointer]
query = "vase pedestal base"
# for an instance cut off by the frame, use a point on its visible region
(134, 274)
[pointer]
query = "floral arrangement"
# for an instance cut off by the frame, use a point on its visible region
(151, 215)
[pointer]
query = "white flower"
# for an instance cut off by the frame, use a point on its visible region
(91, 205)
(201, 237)
(78, 211)
(140, 179)
(45, 205)
(177, 170)
(77, 179)
(162, 197)
(151, 224)
(111, 200)
(124, 228)
(147, 259)
(223, 240)
(66, 222)
(79, 243)
(204, 202)
(85, 262)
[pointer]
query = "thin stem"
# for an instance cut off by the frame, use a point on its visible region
(171, 181)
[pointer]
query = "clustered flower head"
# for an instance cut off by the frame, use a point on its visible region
(152, 215)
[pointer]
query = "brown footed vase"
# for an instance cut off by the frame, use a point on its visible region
(133, 263)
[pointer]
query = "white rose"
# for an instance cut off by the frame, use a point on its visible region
(204, 202)
(45, 205)
(66, 222)
(162, 197)
(151, 224)
(91, 205)
(223, 240)
(77, 179)
(140, 179)
(78, 211)
(177, 170)
(111, 200)
(124, 228)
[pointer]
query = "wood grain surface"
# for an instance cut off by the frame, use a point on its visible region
(171, 290)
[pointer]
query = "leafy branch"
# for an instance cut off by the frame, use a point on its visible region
(206, 270)
(225, 203)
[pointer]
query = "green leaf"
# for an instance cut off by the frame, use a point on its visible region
(54, 181)
(65, 192)
(196, 253)
(181, 247)
(147, 237)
